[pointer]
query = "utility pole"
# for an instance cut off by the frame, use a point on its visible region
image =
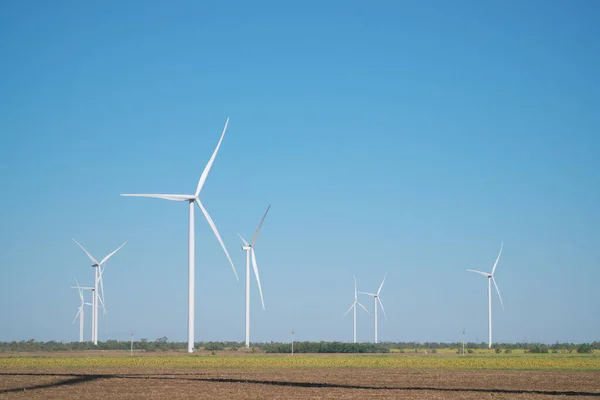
(131, 350)
(292, 341)
(463, 340)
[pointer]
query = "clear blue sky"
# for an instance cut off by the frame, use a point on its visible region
(406, 136)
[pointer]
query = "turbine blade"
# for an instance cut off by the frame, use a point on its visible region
(363, 307)
(498, 290)
(349, 309)
(257, 277)
(210, 162)
(382, 309)
(479, 272)
(76, 315)
(243, 240)
(88, 304)
(174, 197)
(216, 232)
(105, 259)
(384, 276)
(497, 259)
(79, 290)
(101, 282)
(368, 294)
(103, 306)
(259, 225)
(86, 252)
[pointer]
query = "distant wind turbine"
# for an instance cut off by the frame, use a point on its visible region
(80, 313)
(491, 279)
(191, 199)
(353, 306)
(249, 249)
(377, 300)
(98, 271)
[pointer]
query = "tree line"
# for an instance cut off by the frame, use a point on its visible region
(163, 344)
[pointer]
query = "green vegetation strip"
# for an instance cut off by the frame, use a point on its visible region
(524, 363)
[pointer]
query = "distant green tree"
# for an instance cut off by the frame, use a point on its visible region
(214, 346)
(585, 348)
(538, 348)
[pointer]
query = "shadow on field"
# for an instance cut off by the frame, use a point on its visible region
(76, 379)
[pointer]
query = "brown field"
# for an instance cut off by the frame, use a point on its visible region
(112, 375)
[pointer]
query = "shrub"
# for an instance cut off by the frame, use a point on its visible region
(470, 351)
(584, 348)
(498, 350)
(214, 346)
(508, 351)
(433, 351)
(538, 349)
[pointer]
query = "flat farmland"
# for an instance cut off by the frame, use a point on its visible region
(116, 375)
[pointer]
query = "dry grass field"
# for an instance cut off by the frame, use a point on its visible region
(115, 375)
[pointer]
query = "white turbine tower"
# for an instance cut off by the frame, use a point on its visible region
(377, 300)
(490, 280)
(98, 271)
(249, 249)
(80, 313)
(191, 199)
(353, 306)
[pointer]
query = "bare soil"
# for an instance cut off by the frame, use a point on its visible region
(310, 383)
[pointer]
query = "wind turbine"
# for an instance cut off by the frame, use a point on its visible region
(377, 300)
(80, 313)
(98, 270)
(353, 306)
(249, 249)
(191, 199)
(490, 280)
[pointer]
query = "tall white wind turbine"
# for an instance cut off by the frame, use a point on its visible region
(491, 279)
(353, 306)
(80, 313)
(249, 249)
(191, 199)
(98, 271)
(377, 300)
